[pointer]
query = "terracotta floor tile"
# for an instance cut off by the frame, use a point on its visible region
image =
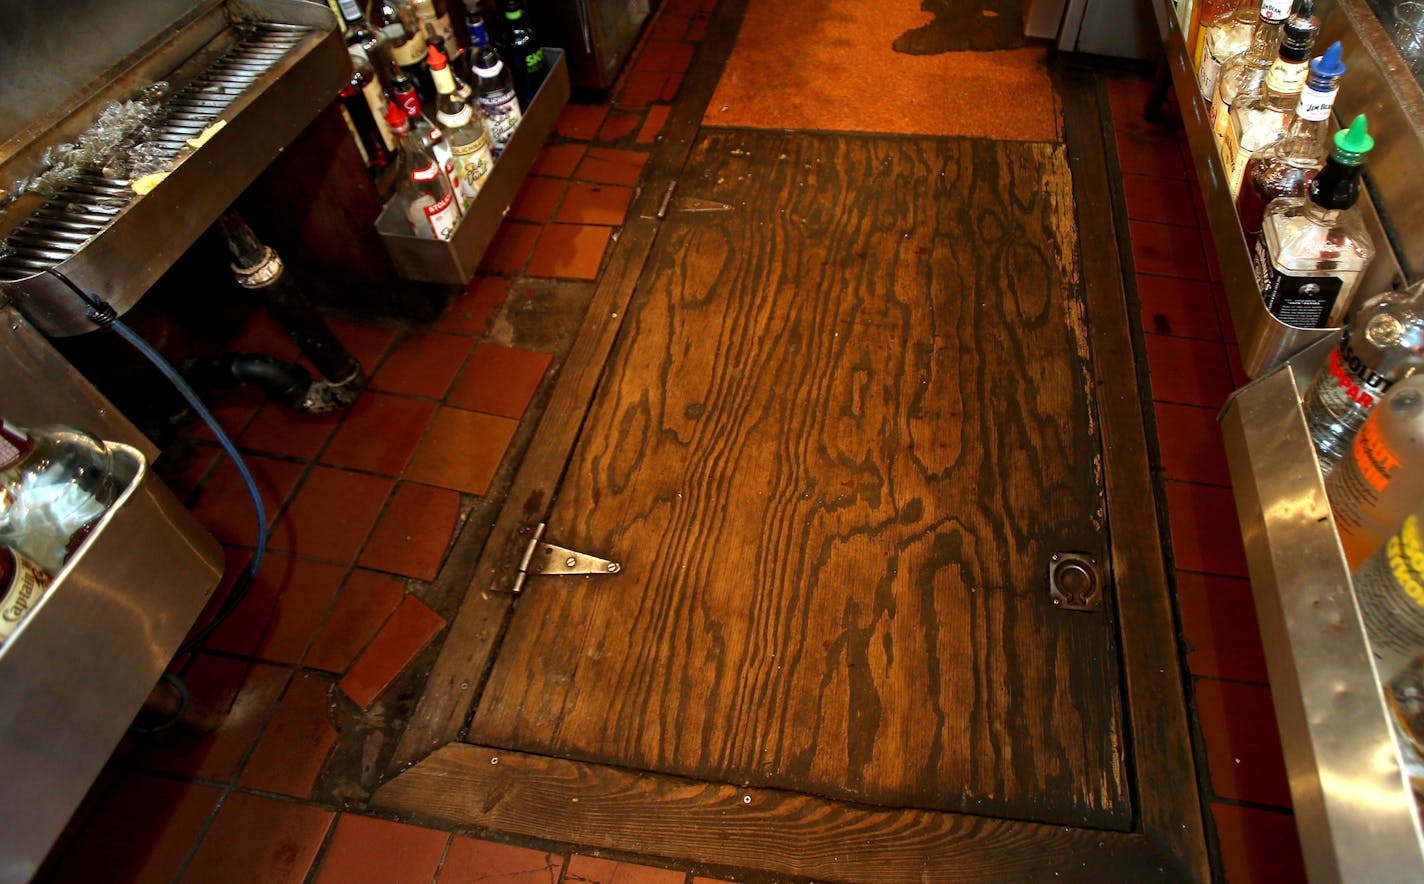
(1205, 533)
(332, 514)
(607, 165)
(1223, 313)
(1144, 154)
(278, 429)
(1219, 622)
(558, 160)
(223, 507)
(593, 870)
(1167, 250)
(510, 248)
(364, 848)
(500, 380)
(423, 364)
(596, 204)
(469, 314)
(619, 126)
(410, 628)
(242, 693)
(569, 251)
(669, 26)
(666, 56)
(1191, 445)
(471, 860)
(580, 121)
(653, 125)
(379, 434)
(537, 199)
(366, 343)
(643, 88)
(413, 532)
(281, 611)
(1258, 846)
(140, 831)
(1180, 307)
(1243, 747)
(462, 450)
(1187, 371)
(260, 333)
(367, 600)
(295, 744)
(259, 841)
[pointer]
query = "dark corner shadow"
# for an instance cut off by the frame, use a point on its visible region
(965, 26)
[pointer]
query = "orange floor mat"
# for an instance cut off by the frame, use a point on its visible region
(941, 67)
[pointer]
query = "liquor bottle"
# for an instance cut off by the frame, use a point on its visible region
(1246, 72)
(1257, 120)
(1211, 14)
(475, 28)
(463, 90)
(363, 79)
(1404, 694)
(435, 23)
(423, 190)
(495, 90)
(1382, 345)
(369, 137)
(524, 53)
(431, 138)
(1285, 166)
(396, 22)
(22, 585)
(365, 41)
(464, 132)
(1374, 488)
(1230, 38)
(1312, 250)
(55, 485)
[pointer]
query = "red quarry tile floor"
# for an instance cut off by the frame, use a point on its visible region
(374, 496)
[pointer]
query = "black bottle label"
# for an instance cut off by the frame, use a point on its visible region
(1297, 300)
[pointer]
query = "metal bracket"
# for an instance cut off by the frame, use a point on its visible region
(1074, 583)
(548, 558)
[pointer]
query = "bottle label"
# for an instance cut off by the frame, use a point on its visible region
(478, 35)
(22, 585)
(501, 118)
(13, 442)
(1314, 105)
(1275, 10)
(1299, 300)
(1390, 589)
(1287, 77)
(473, 162)
(441, 216)
(409, 102)
(1209, 69)
(407, 52)
(1234, 158)
(376, 101)
(1355, 381)
(534, 62)
(1220, 114)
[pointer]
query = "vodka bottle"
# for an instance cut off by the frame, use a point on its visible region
(1257, 120)
(1245, 73)
(475, 26)
(22, 585)
(1312, 251)
(1389, 588)
(1381, 481)
(1222, 41)
(422, 190)
(464, 132)
(1285, 166)
(431, 138)
(495, 91)
(55, 484)
(1383, 345)
(524, 51)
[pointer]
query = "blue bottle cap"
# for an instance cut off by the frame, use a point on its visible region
(1329, 66)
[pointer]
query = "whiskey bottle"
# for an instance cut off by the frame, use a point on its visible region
(1221, 41)
(1245, 73)
(1285, 166)
(1312, 250)
(422, 189)
(1257, 120)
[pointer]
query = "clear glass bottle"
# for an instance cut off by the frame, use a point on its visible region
(1382, 345)
(1313, 250)
(1285, 166)
(1212, 13)
(422, 189)
(1224, 40)
(395, 20)
(431, 138)
(55, 484)
(494, 89)
(1244, 74)
(373, 93)
(367, 42)
(464, 132)
(1257, 120)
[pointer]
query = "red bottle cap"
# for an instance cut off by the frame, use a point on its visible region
(435, 58)
(396, 118)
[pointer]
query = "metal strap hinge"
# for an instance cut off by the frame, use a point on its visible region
(548, 558)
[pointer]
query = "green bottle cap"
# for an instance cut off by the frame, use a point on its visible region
(1353, 143)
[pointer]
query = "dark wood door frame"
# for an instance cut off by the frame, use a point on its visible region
(787, 833)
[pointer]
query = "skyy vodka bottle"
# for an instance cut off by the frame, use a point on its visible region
(1382, 346)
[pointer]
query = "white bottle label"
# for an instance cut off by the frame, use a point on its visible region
(1315, 106)
(441, 217)
(1275, 10)
(473, 162)
(376, 101)
(501, 118)
(21, 593)
(8, 451)
(1287, 77)
(1220, 116)
(1207, 74)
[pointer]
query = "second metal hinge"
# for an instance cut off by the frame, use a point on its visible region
(547, 558)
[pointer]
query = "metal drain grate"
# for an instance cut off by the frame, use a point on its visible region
(56, 231)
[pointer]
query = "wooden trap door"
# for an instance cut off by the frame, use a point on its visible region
(848, 422)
